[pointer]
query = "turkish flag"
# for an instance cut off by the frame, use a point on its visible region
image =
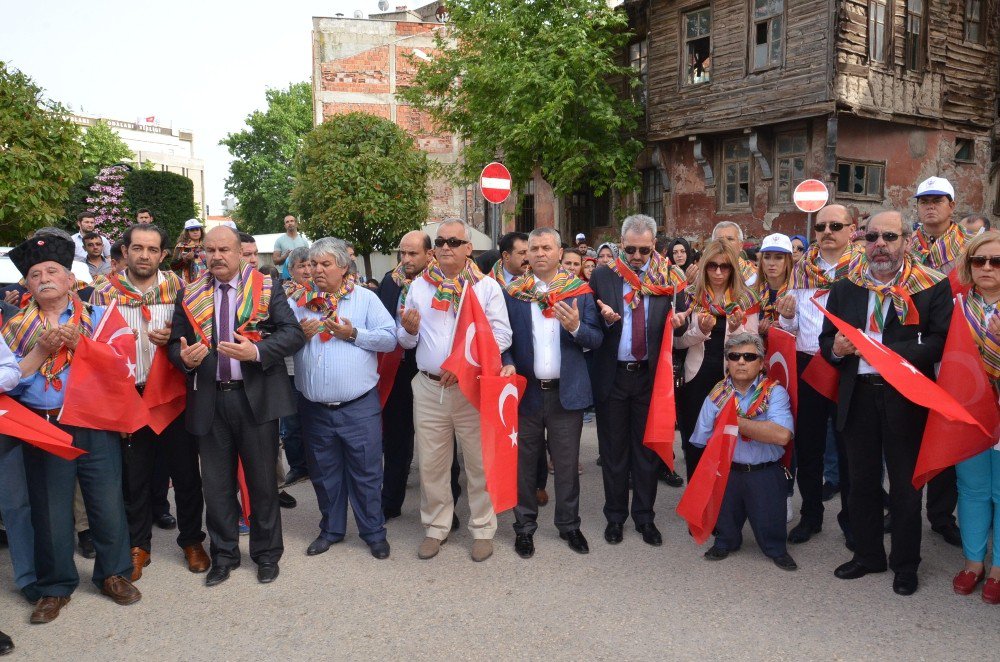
(957, 287)
(661, 420)
(782, 367)
(498, 418)
(474, 350)
(19, 422)
(165, 393)
(823, 377)
(100, 393)
(946, 443)
(910, 382)
(388, 366)
(702, 500)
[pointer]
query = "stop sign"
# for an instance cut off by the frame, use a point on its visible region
(810, 196)
(495, 182)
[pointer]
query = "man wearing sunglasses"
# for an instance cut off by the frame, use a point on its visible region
(907, 307)
(826, 261)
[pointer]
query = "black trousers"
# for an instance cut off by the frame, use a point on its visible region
(160, 484)
(760, 497)
(814, 413)
(621, 423)
(179, 450)
(942, 498)
(234, 434)
(881, 421)
(690, 397)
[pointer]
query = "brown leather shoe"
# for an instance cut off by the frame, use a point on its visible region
(542, 496)
(140, 559)
(197, 559)
(47, 608)
(120, 590)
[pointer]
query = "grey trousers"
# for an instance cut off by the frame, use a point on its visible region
(563, 428)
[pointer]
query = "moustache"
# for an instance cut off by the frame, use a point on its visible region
(46, 287)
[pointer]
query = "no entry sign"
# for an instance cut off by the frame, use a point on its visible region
(495, 182)
(810, 196)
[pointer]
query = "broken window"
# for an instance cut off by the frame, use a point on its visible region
(524, 221)
(652, 194)
(877, 30)
(698, 46)
(860, 181)
(736, 174)
(637, 59)
(915, 37)
(766, 33)
(790, 156)
(974, 30)
(965, 151)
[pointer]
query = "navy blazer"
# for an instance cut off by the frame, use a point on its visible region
(574, 379)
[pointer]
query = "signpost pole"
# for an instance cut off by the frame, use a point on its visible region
(809, 226)
(495, 224)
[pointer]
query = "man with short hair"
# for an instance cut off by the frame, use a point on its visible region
(117, 257)
(732, 234)
(553, 319)
(86, 222)
(975, 224)
(97, 263)
(440, 410)
(581, 242)
(248, 249)
(144, 216)
(907, 307)
(513, 260)
(286, 243)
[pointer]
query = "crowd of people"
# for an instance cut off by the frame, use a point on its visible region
(351, 377)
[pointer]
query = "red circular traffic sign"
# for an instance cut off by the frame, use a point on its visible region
(811, 195)
(495, 182)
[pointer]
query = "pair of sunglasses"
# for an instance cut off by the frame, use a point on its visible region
(888, 237)
(644, 251)
(749, 357)
(834, 227)
(981, 260)
(724, 267)
(453, 242)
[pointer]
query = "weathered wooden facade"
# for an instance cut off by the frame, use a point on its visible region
(746, 98)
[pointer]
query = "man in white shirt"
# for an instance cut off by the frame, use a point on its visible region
(85, 222)
(440, 410)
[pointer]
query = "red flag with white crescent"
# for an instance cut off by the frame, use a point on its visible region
(499, 424)
(19, 422)
(782, 367)
(474, 350)
(388, 366)
(661, 420)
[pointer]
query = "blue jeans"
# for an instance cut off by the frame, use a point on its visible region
(831, 467)
(16, 512)
(979, 504)
(290, 431)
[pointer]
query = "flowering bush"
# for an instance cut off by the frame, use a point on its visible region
(107, 202)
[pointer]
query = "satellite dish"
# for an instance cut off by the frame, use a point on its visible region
(358, 13)
(383, 4)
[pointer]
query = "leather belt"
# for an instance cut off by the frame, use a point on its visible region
(872, 380)
(431, 376)
(747, 468)
(633, 366)
(340, 405)
(47, 414)
(229, 386)
(548, 384)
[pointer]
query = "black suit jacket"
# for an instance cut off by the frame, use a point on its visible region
(921, 344)
(265, 383)
(388, 294)
(607, 286)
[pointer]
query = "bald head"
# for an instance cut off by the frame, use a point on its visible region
(414, 252)
(223, 252)
(834, 213)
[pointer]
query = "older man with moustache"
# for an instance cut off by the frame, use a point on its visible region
(732, 234)
(440, 410)
(907, 307)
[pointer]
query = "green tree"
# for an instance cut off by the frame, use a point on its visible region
(102, 147)
(39, 156)
(261, 174)
(361, 178)
(537, 84)
(168, 195)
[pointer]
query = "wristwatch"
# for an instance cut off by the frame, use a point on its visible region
(353, 336)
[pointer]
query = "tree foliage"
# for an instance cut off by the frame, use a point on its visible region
(39, 156)
(168, 195)
(261, 174)
(534, 83)
(361, 178)
(102, 147)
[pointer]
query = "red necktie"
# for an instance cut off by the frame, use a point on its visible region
(639, 330)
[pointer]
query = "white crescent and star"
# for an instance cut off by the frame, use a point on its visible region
(470, 335)
(779, 358)
(508, 391)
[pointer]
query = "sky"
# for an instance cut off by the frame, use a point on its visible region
(199, 65)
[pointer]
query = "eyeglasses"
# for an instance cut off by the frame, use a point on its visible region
(643, 250)
(979, 261)
(888, 237)
(749, 357)
(724, 267)
(453, 242)
(799, 249)
(834, 227)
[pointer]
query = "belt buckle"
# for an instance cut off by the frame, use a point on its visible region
(743, 467)
(632, 366)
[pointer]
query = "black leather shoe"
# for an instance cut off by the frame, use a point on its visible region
(391, 514)
(86, 547)
(853, 570)
(218, 574)
(905, 583)
(318, 546)
(454, 522)
(802, 532)
(166, 521)
(576, 541)
(673, 479)
(380, 549)
(950, 532)
(785, 562)
(6, 644)
(295, 476)
(3, 538)
(286, 500)
(524, 545)
(830, 490)
(613, 532)
(650, 534)
(267, 572)
(716, 553)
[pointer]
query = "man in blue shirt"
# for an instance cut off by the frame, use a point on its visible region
(14, 499)
(757, 485)
(43, 336)
(336, 374)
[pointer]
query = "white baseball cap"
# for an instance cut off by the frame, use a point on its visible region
(935, 186)
(230, 224)
(192, 223)
(776, 243)
(581, 237)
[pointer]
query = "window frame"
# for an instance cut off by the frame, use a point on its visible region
(724, 205)
(752, 38)
(967, 20)
(853, 163)
(789, 156)
(685, 45)
(972, 148)
(886, 25)
(915, 40)
(527, 195)
(639, 94)
(651, 201)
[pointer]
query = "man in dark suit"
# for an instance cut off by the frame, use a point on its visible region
(232, 347)
(908, 308)
(633, 297)
(552, 320)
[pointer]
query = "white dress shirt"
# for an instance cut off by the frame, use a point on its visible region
(81, 253)
(160, 315)
(808, 320)
(545, 339)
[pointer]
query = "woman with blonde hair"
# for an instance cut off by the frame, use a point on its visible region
(189, 256)
(774, 272)
(719, 305)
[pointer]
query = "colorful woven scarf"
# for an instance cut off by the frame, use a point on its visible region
(448, 292)
(747, 303)
(989, 345)
(941, 252)
(23, 330)
(563, 286)
(768, 298)
(325, 303)
(808, 275)
(760, 396)
(497, 274)
(913, 278)
(399, 278)
(115, 287)
(747, 270)
(253, 297)
(659, 279)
